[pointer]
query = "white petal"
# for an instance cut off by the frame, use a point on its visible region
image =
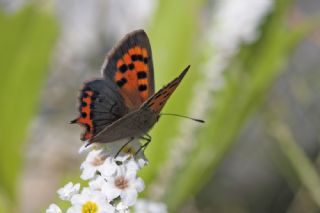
(131, 168)
(53, 208)
(142, 162)
(139, 184)
(76, 199)
(105, 207)
(110, 191)
(131, 176)
(109, 167)
(97, 183)
(129, 197)
(88, 173)
(132, 165)
(121, 208)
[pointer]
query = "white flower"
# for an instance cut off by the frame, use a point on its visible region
(92, 164)
(147, 206)
(90, 201)
(124, 183)
(66, 192)
(53, 208)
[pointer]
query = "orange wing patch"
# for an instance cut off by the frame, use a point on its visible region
(85, 117)
(158, 100)
(132, 75)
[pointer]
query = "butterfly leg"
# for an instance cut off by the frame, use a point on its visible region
(147, 138)
(124, 145)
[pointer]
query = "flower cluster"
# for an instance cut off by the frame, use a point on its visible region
(113, 185)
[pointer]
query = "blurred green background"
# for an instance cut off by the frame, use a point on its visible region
(254, 79)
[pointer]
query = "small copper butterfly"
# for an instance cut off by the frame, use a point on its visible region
(122, 104)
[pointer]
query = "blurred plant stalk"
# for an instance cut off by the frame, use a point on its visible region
(298, 160)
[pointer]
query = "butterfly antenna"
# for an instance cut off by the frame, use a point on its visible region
(182, 116)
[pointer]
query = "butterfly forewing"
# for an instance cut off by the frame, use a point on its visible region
(130, 66)
(158, 100)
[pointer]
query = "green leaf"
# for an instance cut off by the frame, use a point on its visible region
(27, 39)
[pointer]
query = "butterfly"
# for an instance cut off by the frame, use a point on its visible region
(122, 104)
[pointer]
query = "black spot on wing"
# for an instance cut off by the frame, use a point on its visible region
(83, 104)
(140, 58)
(142, 87)
(131, 66)
(141, 74)
(122, 82)
(123, 68)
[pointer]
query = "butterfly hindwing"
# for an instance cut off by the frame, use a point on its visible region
(100, 105)
(130, 66)
(158, 100)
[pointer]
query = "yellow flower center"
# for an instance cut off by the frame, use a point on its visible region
(89, 207)
(99, 160)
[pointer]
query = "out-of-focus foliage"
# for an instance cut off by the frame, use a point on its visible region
(26, 41)
(248, 79)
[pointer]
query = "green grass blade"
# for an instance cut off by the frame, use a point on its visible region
(302, 166)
